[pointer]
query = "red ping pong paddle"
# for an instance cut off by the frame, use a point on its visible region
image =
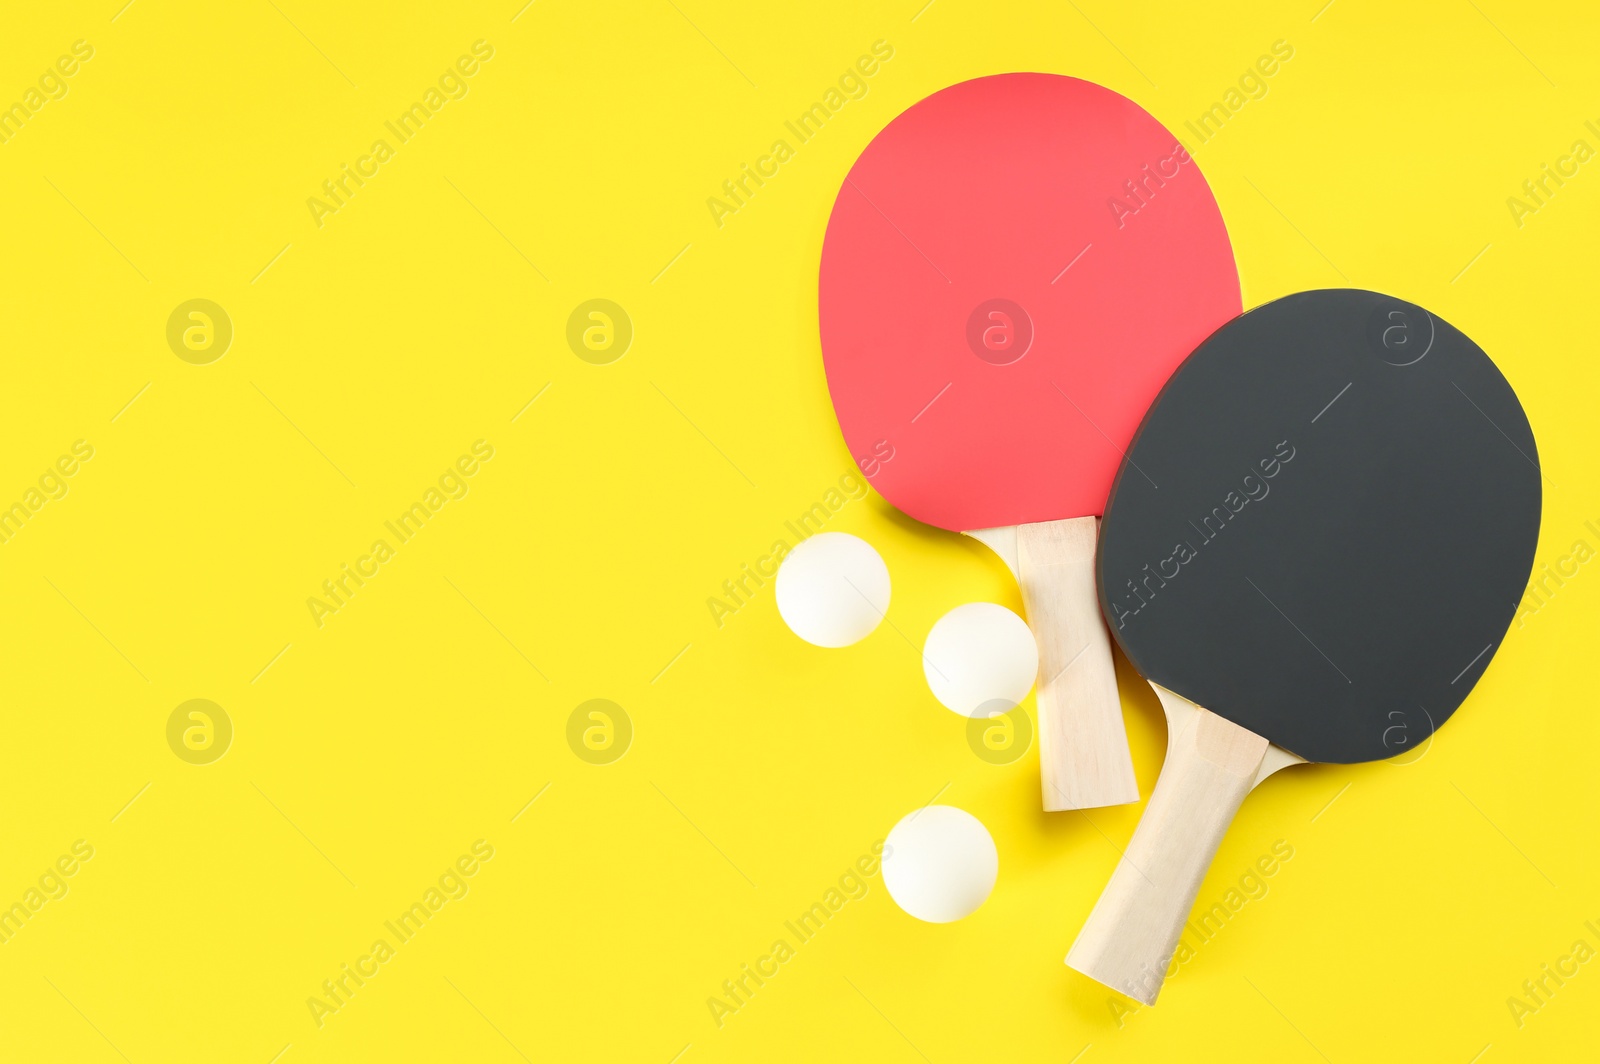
(1012, 269)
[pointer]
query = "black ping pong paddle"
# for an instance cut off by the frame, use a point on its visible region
(1312, 551)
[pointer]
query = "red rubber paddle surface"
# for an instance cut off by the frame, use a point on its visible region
(1012, 270)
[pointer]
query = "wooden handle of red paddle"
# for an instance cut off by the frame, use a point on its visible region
(1083, 747)
(1130, 936)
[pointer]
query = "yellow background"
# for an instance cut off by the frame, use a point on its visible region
(375, 349)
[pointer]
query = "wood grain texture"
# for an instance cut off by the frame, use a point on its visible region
(1084, 760)
(1211, 765)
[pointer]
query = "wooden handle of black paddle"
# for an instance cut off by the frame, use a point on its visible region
(1133, 931)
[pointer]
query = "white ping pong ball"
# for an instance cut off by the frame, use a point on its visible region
(980, 659)
(833, 589)
(940, 863)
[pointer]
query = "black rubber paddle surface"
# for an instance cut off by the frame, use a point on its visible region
(1323, 525)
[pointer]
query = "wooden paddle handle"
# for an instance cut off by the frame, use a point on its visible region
(1083, 747)
(1133, 931)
